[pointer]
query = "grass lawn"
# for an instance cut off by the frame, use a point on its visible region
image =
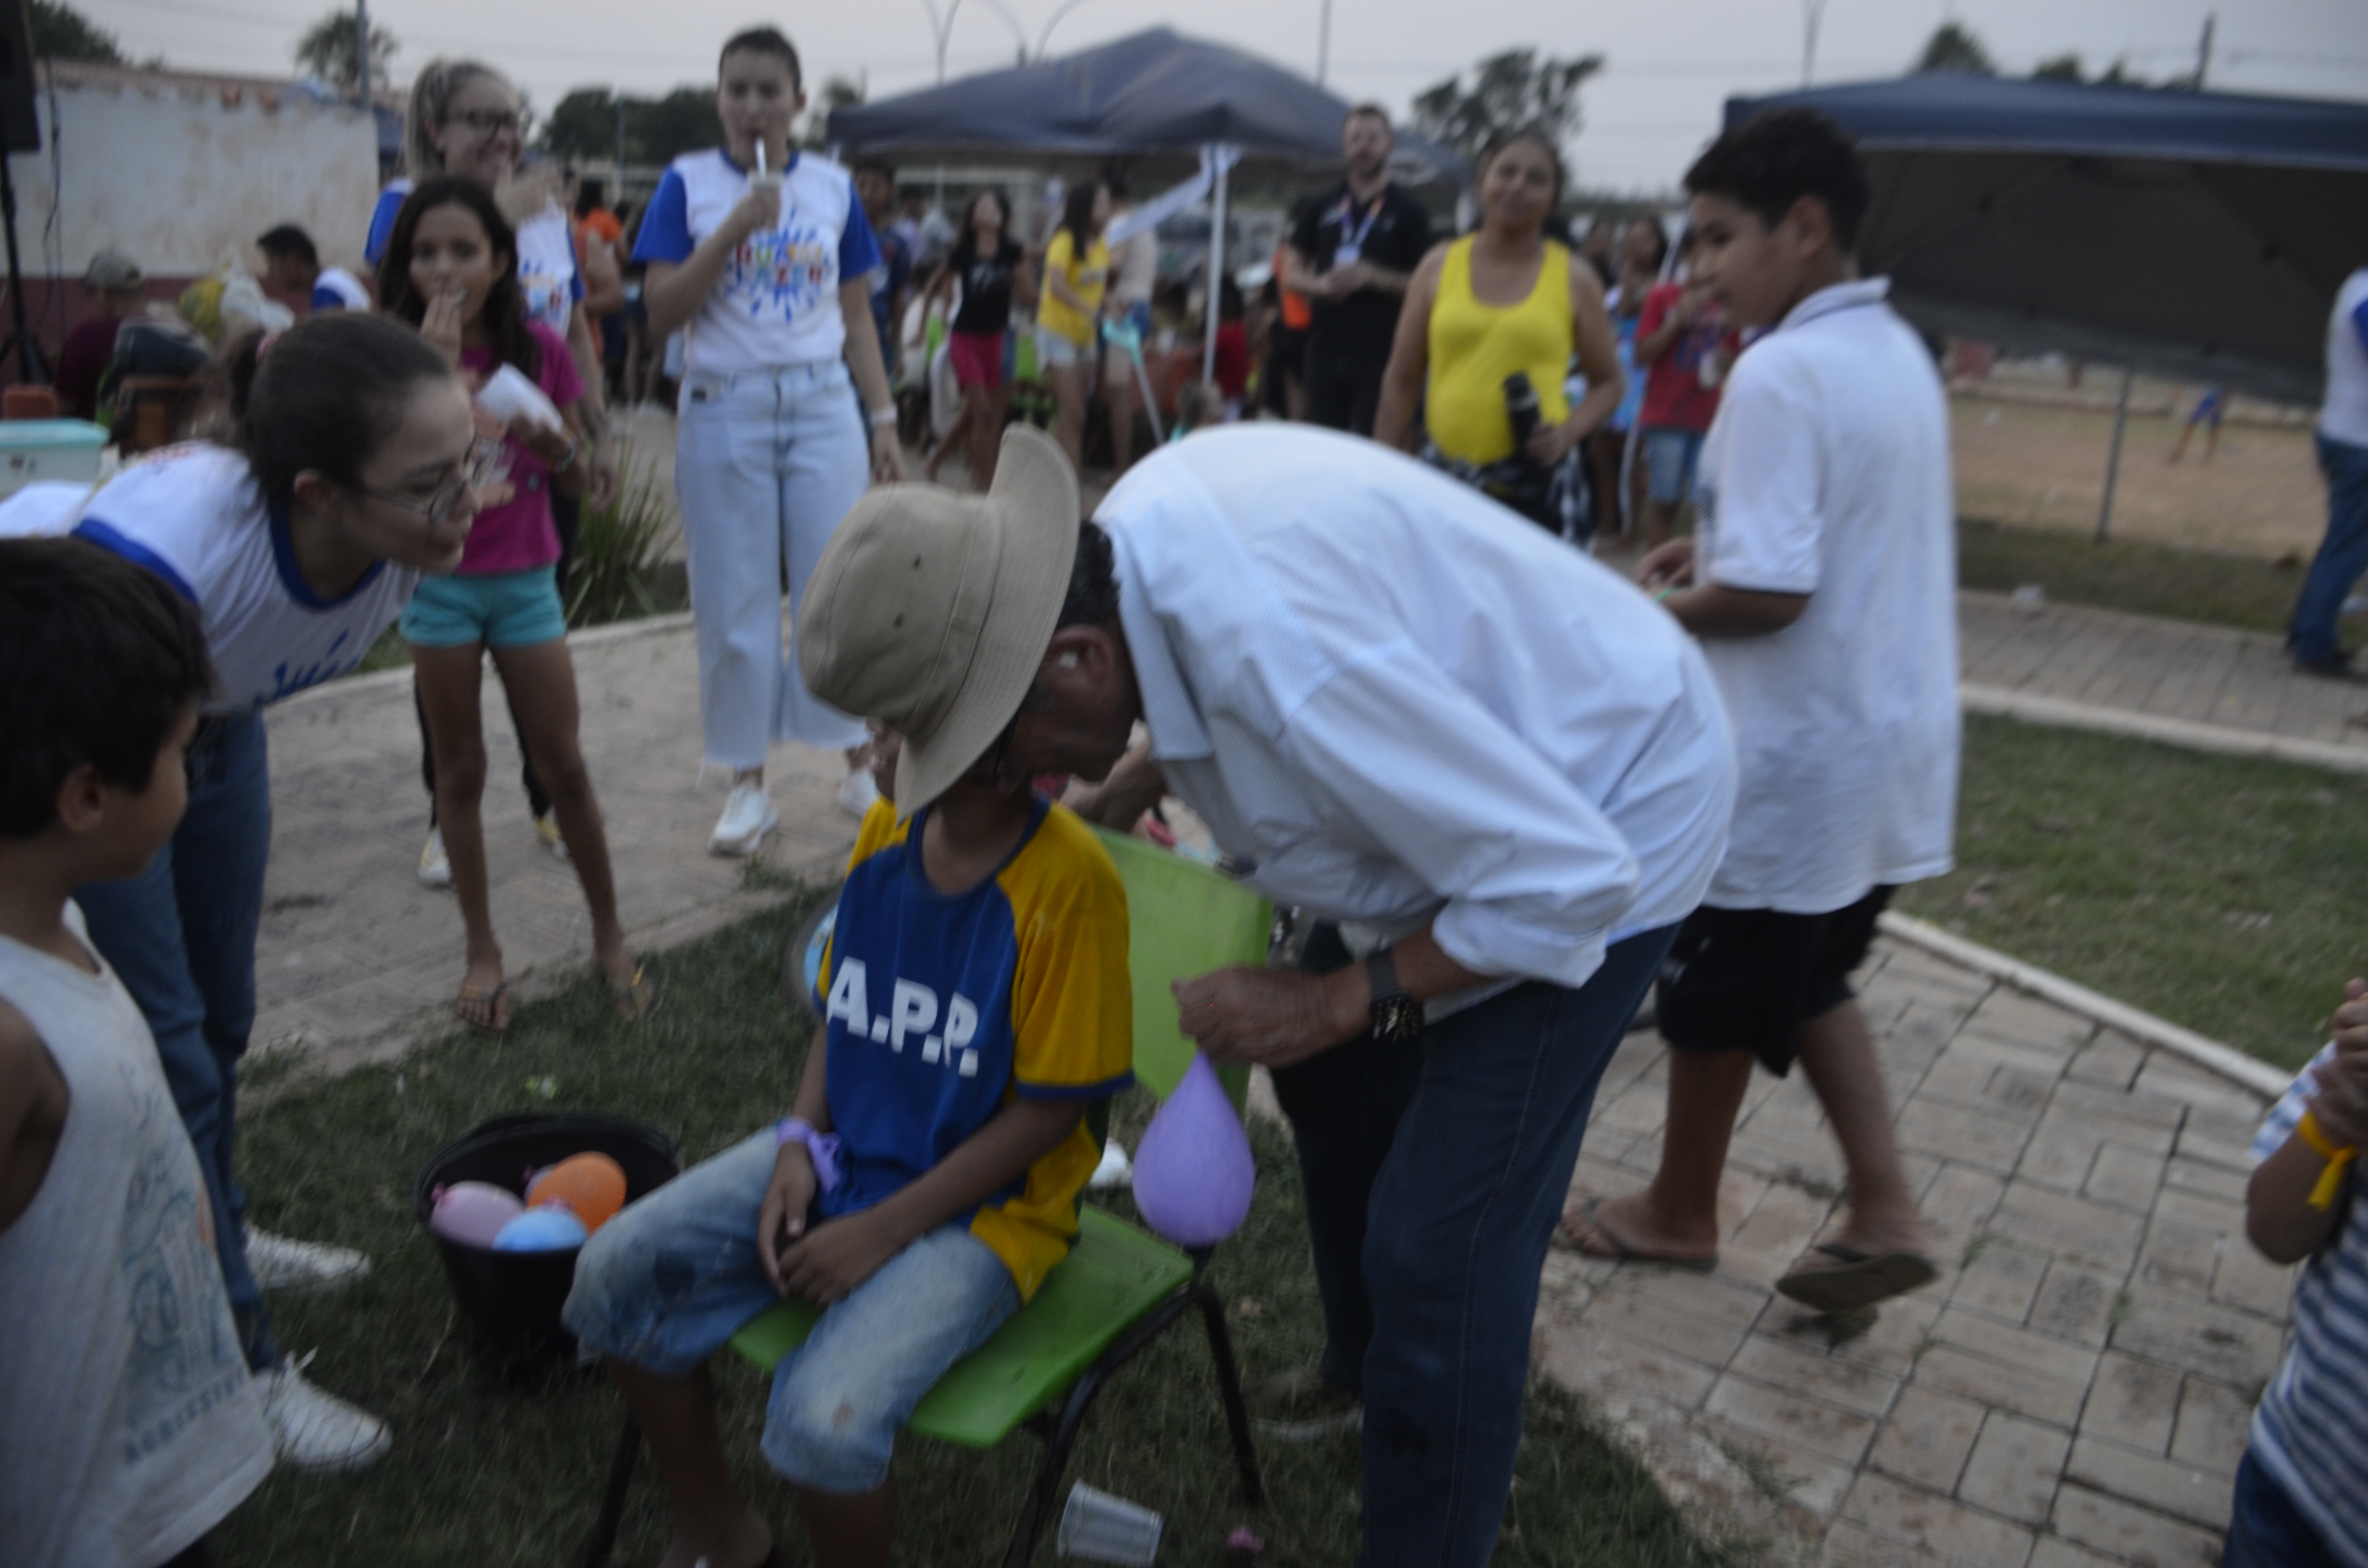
(2245, 591)
(2220, 892)
(494, 1468)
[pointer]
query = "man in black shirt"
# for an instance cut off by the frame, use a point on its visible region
(1351, 255)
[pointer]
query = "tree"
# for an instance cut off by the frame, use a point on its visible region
(59, 31)
(2063, 68)
(1954, 47)
(657, 130)
(838, 93)
(326, 50)
(1513, 89)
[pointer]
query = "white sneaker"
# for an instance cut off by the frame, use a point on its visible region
(311, 1430)
(547, 829)
(283, 1263)
(748, 817)
(435, 869)
(858, 792)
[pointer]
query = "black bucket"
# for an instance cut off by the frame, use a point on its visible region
(513, 1299)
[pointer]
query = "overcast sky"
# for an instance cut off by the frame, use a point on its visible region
(1669, 63)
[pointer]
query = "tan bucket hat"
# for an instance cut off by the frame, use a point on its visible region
(930, 611)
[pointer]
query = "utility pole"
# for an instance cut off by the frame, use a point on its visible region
(1323, 43)
(362, 52)
(2203, 51)
(620, 191)
(1812, 12)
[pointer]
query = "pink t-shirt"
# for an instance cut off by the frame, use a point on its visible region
(519, 535)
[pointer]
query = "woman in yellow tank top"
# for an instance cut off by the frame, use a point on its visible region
(1505, 301)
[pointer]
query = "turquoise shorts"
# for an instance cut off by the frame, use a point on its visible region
(500, 609)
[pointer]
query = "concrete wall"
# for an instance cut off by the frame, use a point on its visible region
(181, 172)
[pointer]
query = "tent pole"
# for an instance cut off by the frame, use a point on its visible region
(2112, 463)
(1217, 275)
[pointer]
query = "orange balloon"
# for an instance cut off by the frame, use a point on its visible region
(592, 1185)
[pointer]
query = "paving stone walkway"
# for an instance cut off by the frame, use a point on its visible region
(2140, 675)
(2072, 1392)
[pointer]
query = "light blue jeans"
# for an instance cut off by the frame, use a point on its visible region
(668, 1281)
(766, 465)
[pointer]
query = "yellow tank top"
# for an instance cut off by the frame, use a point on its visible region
(1473, 347)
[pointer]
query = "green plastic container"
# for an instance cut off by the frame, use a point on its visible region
(33, 449)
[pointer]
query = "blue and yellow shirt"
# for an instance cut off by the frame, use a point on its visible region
(939, 1011)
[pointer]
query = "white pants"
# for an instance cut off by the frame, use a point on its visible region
(766, 464)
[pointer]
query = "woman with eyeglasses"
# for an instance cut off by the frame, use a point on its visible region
(449, 272)
(465, 120)
(350, 474)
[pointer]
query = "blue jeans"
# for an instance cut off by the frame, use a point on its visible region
(182, 937)
(2266, 1530)
(2315, 634)
(668, 1281)
(766, 463)
(1454, 1229)
(1670, 457)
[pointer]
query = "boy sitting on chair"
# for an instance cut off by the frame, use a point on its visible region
(976, 1001)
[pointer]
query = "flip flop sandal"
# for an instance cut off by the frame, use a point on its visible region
(1861, 1279)
(635, 1000)
(482, 1010)
(1621, 1251)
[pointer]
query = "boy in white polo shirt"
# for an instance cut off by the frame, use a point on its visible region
(1822, 585)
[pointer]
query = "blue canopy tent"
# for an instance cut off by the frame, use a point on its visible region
(2195, 235)
(1155, 94)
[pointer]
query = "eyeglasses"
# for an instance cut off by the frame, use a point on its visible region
(494, 122)
(486, 462)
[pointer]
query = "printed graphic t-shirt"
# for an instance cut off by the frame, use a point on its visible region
(129, 1426)
(1674, 396)
(777, 300)
(986, 289)
(940, 1011)
(519, 535)
(194, 516)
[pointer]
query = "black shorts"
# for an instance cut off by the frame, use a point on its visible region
(1748, 979)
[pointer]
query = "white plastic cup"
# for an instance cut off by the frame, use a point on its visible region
(1100, 1528)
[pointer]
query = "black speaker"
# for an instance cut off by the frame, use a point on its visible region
(20, 117)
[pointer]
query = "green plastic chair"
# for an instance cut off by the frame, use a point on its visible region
(1120, 1288)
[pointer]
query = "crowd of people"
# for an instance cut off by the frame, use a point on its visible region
(1514, 793)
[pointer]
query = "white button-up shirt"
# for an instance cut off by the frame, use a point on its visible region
(1398, 700)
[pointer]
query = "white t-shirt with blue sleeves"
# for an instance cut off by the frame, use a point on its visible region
(547, 274)
(195, 517)
(777, 301)
(338, 289)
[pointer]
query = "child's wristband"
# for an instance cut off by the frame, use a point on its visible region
(821, 1148)
(2336, 1155)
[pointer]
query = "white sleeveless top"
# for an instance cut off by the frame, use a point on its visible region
(129, 1426)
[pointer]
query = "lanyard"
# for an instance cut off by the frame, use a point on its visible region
(1349, 210)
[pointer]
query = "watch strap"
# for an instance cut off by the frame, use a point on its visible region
(1381, 977)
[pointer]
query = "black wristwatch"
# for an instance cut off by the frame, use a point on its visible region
(1397, 1018)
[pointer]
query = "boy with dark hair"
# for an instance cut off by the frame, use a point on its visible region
(974, 1000)
(293, 271)
(1822, 586)
(132, 1424)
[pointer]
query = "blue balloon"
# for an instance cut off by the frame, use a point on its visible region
(552, 1228)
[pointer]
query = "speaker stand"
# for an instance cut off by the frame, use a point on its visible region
(31, 368)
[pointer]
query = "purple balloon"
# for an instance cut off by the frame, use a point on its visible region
(1194, 1175)
(473, 1212)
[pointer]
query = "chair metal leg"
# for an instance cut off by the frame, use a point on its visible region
(1037, 1511)
(612, 1503)
(1229, 1389)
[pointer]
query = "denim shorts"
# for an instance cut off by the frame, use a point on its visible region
(1670, 455)
(1054, 351)
(668, 1281)
(500, 609)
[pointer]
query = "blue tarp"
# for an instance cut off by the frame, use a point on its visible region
(2198, 236)
(1152, 92)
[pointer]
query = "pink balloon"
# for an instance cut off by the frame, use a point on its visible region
(1194, 1175)
(473, 1212)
